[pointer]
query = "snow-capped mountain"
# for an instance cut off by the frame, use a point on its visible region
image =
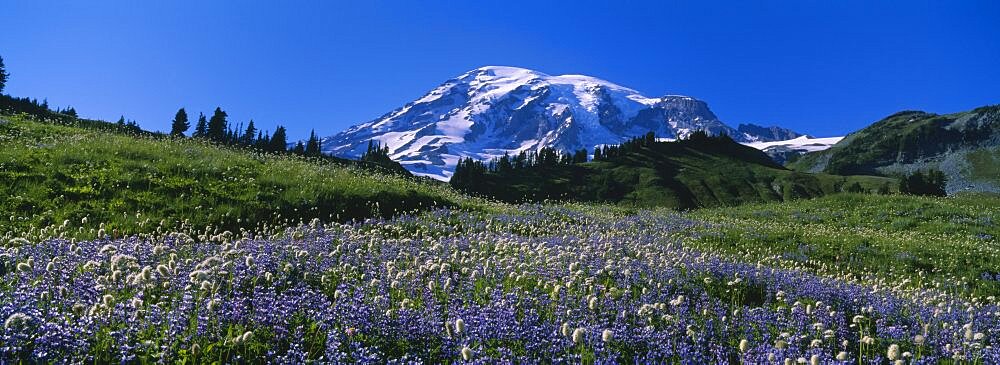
(494, 110)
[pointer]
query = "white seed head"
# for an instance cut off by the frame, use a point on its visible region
(16, 320)
(578, 335)
(107, 300)
(893, 352)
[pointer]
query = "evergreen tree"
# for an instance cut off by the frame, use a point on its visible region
(201, 129)
(232, 135)
(919, 183)
(313, 145)
(261, 141)
(278, 141)
(299, 149)
(248, 135)
(4, 76)
(217, 126)
(180, 123)
(376, 153)
(854, 187)
(121, 121)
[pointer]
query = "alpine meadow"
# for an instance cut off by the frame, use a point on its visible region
(500, 214)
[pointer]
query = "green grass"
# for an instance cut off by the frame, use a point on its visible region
(896, 237)
(51, 173)
(984, 165)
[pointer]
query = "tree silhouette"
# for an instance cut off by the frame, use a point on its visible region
(217, 126)
(201, 129)
(278, 141)
(4, 76)
(180, 123)
(248, 135)
(312, 147)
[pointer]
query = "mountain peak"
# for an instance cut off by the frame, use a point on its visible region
(495, 110)
(502, 71)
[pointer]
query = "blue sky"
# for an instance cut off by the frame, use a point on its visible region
(820, 67)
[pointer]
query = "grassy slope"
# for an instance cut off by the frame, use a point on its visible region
(984, 165)
(51, 173)
(896, 237)
(685, 174)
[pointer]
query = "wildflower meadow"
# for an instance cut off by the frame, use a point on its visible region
(554, 283)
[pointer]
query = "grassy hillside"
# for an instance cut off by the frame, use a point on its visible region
(52, 173)
(912, 140)
(683, 174)
(984, 165)
(895, 237)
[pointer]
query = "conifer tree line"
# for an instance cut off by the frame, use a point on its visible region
(376, 153)
(547, 156)
(218, 129)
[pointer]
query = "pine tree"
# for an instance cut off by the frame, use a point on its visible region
(180, 123)
(217, 126)
(201, 129)
(313, 145)
(248, 135)
(232, 135)
(278, 141)
(121, 121)
(299, 149)
(261, 141)
(4, 76)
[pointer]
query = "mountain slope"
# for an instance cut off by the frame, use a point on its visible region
(494, 110)
(965, 146)
(692, 173)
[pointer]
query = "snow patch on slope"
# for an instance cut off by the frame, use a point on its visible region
(803, 143)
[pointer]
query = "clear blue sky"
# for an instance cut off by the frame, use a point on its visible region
(821, 67)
